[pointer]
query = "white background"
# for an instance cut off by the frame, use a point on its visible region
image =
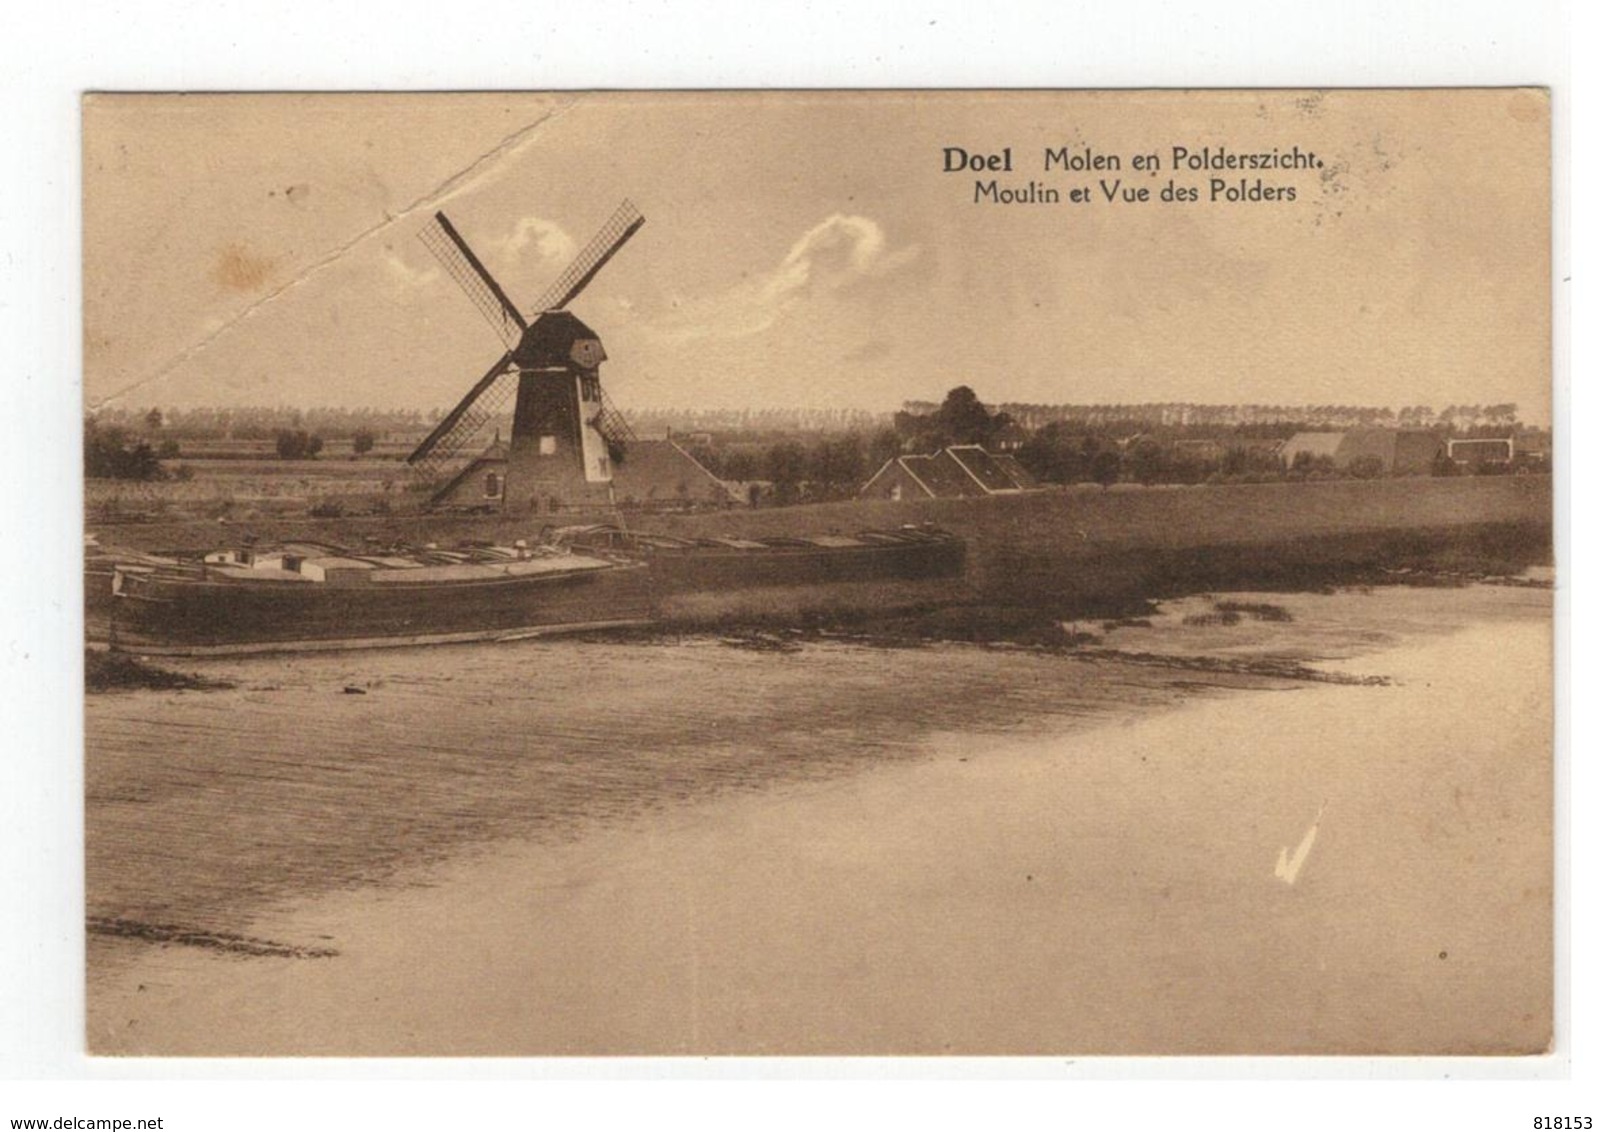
(55, 51)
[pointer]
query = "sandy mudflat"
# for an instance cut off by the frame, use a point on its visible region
(946, 864)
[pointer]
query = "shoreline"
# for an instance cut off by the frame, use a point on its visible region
(695, 927)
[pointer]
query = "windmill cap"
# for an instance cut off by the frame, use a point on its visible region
(559, 338)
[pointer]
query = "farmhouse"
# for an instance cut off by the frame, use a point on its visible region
(1399, 452)
(952, 473)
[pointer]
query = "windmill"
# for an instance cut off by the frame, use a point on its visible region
(565, 434)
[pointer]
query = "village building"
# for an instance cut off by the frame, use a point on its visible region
(1009, 438)
(1480, 452)
(956, 472)
(1399, 452)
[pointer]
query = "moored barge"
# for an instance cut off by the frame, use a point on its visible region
(307, 596)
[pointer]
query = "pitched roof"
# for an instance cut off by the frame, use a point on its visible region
(1020, 475)
(493, 456)
(1371, 443)
(657, 469)
(944, 475)
(982, 467)
(918, 468)
(961, 470)
(1314, 444)
(897, 464)
(1415, 450)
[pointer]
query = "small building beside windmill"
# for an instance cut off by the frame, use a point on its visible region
(657, 475)
(654, 475)
(957, 472)
(481, 485)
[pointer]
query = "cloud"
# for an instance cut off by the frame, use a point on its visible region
(548, 239)
(834, 255)
(401, 271)
(412, 267)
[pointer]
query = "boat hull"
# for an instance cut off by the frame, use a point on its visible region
(157, 614)
(702, 569)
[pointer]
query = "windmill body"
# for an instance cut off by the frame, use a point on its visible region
(565, 436)
(558, 457)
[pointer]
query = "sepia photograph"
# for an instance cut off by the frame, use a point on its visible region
(943, 573)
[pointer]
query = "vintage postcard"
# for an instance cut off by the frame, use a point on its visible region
(819, 573)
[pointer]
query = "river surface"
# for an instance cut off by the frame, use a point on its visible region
(1172, 843)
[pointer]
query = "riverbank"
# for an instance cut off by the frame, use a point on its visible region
(1035, 560)
(835, 849)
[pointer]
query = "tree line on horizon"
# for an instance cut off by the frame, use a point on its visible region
(263, 422)
(1057, 444)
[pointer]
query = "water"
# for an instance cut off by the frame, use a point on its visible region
(559, 847)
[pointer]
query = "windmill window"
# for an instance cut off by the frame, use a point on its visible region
(547, 445)
(492, 486)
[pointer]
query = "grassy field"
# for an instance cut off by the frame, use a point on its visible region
(249, 487)
(1079, 551)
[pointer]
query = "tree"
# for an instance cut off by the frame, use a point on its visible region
(963, 418)
(1105, 467)
(1147, 462)
(838, 466)
(361, 443)
(885, 445)
(960, 419)
(1054, 455)
(153, 420)
(786, 467)
(108, 454)
(297, 444)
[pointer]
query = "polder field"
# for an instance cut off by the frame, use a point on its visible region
(1077, 551)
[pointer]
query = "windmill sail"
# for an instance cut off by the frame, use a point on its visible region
(613, 428)
(616, 232)
(458, 433)
(441, 238)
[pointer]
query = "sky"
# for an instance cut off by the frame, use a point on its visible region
(810, 250)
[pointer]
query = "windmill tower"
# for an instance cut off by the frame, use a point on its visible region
(565, 435)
